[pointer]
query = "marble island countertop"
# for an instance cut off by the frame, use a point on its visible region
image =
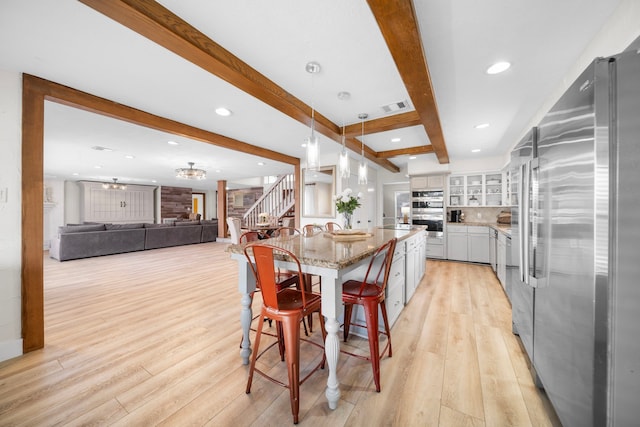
(502, 228)
(322, 251)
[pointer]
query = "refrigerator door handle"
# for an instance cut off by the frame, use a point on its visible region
(532, 222)
(523, 222)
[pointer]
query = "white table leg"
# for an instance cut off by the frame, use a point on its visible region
(245, 321)
(332, 309)
(332, 350)
(246, 285)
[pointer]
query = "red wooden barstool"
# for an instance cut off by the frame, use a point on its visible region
(369, 293)
(287, 307)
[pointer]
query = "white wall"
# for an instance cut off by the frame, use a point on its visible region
(10, 214)
(616, 35)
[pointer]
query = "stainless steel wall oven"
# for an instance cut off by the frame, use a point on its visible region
(427, 208)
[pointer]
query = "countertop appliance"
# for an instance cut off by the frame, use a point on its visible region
(574, 286)
(455, 215)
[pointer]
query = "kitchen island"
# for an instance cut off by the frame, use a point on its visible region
(335, 261)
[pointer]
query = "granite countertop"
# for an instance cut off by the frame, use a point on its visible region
(322, 251)
(502, 228)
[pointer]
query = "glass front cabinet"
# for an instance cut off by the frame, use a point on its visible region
(480, 189)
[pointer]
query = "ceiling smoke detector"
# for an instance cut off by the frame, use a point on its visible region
(395, 106)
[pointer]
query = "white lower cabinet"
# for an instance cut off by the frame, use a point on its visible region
(468, 243)
(457, 242)
(478, 244)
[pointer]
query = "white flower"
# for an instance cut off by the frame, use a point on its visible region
(347, 192)
(360, 195)
(346, 199)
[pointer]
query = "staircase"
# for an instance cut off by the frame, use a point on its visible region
(277, 201)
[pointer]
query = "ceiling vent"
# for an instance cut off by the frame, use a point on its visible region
(395, 107)
(99, 148)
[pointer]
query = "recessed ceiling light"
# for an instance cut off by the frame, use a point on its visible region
(218, 171)
(97, 167)
(153, 180)
(222, 111)
(172, 143)
(498, 67)
(260, 163)
(482, 126)
(475, 150)
(412, 157)
(129, 156)
(99, 148)
(396, 139)
(303, 145)
(75, 174)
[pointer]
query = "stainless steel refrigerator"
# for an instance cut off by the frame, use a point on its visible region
(575, 291)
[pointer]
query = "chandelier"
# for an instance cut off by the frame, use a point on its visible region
(113, 185)
(191, 173)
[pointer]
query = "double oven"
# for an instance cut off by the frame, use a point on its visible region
(427, 208)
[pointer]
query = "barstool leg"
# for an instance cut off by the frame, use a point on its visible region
(371, 315)
(291, 329)
(254, 356)
(383, 307)
(347, 320)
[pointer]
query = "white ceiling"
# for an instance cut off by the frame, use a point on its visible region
(71, 44)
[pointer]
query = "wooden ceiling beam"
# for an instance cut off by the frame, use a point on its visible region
(399, 27)
(74, 98)
(397, 121)
(153, 21)
(411, 151)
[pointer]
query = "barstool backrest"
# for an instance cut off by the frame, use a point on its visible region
(380, 265)
(266, 272)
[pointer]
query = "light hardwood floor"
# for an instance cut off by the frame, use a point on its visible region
(151, 338)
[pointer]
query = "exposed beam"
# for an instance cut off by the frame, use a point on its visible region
(65, 95)
(153, 21)
(397, 21)
(411, 151)
(397, 121)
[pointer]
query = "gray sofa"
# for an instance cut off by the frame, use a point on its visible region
(89, 240)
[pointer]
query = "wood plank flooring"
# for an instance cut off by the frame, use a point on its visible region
(151, 338)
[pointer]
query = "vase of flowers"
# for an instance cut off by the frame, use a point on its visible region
(346, 203)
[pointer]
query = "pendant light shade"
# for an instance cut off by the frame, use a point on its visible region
(362, 167)
(343, 163)
(313, 152)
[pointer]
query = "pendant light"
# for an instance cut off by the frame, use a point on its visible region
(313, 153)
(344, 166)
(362, 168)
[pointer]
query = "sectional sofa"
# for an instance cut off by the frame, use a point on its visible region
(89, 240)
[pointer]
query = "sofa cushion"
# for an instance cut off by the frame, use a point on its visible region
(148, 225)
(80, 228)
(124, 226)
(181, 223)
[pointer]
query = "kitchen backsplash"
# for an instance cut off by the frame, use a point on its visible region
(481, 214)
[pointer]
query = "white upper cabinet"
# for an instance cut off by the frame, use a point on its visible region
(428, 182)
(479, 189)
